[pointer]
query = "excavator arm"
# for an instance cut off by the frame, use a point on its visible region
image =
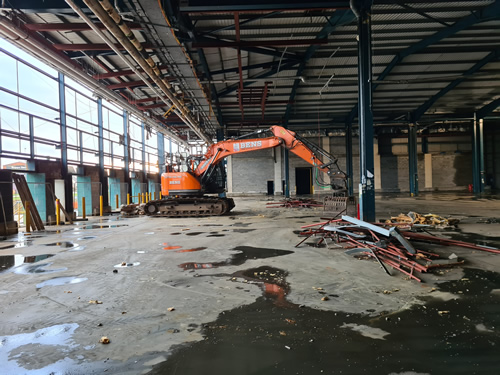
(281, 137)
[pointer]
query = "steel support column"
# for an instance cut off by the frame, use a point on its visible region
(68, 183)
(32, 138)
(161, 153)
(348, 158)
(103, 178)
(170, 151)
(478, 172)
(126, 155)
(412, 159)
(143, 152)
(286, 155)
(361, 9)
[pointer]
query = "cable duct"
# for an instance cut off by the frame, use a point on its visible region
(113, 22)
(66, 66)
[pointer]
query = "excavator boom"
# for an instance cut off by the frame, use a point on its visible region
(184, 190)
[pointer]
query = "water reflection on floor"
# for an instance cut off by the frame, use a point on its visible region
(458, 336)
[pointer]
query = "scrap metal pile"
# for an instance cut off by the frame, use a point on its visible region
(295, 203)
(389, 246)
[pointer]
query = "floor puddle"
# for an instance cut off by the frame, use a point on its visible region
(24, 265)
(272, 335)
(216, 235)
(245, 253)
(243, 230)
(194, 233)
(17, 245)
(61, 281)
(16, 349)
(125, 264)
(100, 226)
(175, 234)
(86, 238)
(63, 244)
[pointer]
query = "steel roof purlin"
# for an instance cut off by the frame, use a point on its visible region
(339, 18)
(420, 111)
(485, 14)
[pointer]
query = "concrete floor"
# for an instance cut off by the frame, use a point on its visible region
(191, 297)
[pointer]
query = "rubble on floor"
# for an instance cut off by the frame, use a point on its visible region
(295, 203)
(387, 244)
(414, 218)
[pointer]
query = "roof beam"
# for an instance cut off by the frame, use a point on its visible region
(231, 27)
(259, 43)
(251, 80)
(485, 14)
(93, 47)
(248, 67)
(340, 17)
(240, 71)
(120, 73)
(488, 108)
(420, 111)
(123, 85)
(71, 26)
(196, 6)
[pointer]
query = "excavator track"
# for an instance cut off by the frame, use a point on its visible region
(189, 206)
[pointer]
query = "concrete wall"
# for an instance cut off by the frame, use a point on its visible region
(492, 152)
(449, 163)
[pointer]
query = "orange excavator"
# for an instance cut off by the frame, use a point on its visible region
(184, 192)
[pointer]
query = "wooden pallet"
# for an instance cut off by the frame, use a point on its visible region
(25, 195)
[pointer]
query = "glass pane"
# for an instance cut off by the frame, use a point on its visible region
(46, 150)
(86, 109)
(47, 130)
(11, 144)
(75, 85)
(38, 86)
(73, 155)
(90, 158)
(91, 142)
(72, 136)
(70, 101)
(8, 73)
(38, 110)
(7, 99)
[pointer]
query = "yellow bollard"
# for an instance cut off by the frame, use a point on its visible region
(58, 212)
(83, 208)
(139, 198)
(144, 198)
(149, 196)
(101, 205)
(117, 201)
(160, 194)
(128, 199)
(154, 195)
(28, 216)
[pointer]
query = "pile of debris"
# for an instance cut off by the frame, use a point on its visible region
(414, 218)
(295, 203)
(389, 246)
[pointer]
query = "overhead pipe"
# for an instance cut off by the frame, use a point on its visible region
(66, 66)
(140, 57)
